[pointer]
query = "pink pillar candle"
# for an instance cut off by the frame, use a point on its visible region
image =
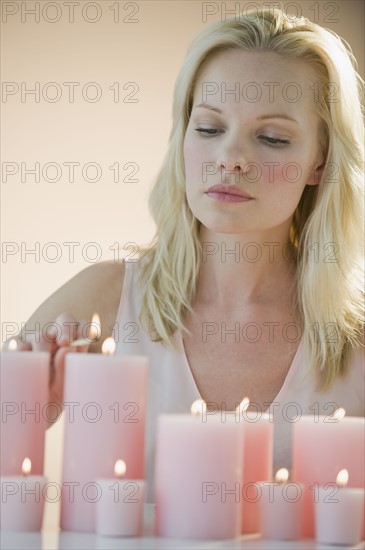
(119, 511)
(105, 407)
(281, 510)
(339, 515)
(258, 459)
(198, 477)
(322, 446)
(24, 409)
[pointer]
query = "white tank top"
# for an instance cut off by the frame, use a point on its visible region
(172, 388)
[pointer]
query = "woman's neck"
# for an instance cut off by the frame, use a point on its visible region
(245, 269)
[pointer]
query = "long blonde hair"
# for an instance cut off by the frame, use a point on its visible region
(329, 216)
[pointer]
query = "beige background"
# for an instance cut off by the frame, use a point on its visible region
(148, 52)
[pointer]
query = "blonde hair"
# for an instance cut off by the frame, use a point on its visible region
(329, 295)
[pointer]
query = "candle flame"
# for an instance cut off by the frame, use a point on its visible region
(243, 406)
(342, 478)
(12, 346)
(26, 466)
(95, 330)
(108, 347)
(339, 414)
(282, 475)
(120, 468)
(198, 407)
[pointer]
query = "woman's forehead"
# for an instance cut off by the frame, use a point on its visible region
(259, 76)
(238, 62)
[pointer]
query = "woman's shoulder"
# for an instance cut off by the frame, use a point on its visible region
(100, 280)
(105, 280)
(110, 275)
(106, 271)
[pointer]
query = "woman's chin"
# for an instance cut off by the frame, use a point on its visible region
(225, 229)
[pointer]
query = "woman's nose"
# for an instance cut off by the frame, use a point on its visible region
(232, 162)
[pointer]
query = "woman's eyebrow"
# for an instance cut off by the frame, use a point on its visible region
(207, 106)
(261, 117)
(279, 115)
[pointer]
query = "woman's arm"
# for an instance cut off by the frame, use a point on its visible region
(95, 289)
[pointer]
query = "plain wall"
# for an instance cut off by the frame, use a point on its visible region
(145, 47)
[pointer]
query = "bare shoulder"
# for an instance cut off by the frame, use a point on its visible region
(102, 274)
(92, 288)
(96, 288)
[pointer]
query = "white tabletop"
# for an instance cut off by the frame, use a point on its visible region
(51, 540)
(54, 539)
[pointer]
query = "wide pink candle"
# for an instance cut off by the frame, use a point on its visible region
(198, 477)
(105, 408)
(322, 446)
(24, 409)
(258, 459)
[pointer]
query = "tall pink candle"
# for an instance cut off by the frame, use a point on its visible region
(322, 446)
(105, 406)
(258, 459)
(198, 477)
(24, 409)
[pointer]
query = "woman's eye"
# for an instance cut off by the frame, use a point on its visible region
(208, 131)
(274, 141)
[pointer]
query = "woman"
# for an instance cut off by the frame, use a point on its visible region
(252, 285)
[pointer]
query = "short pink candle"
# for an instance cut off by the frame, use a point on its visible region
(24, 409)
(119, 511)
(22, 501)
(105, 407)
(339, 514)
(258, 459)
(281, 509)
(198, 477)
(322, 446)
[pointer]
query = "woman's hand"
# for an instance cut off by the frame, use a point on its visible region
(57, 342)
(95, 289)
(68, 330)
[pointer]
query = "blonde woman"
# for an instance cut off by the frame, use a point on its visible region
(253, 283)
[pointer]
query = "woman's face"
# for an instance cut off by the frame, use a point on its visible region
(255, 109)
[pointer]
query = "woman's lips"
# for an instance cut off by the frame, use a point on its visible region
(228, 193)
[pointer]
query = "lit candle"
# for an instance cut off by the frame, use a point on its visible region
(199, 462)
(94, 334)
(322, 446)
(22, 500)
(13, 346)
(119, 511)
(105, 407)
(281, 505)
(25, 408)
(108, 347)
(257, 462)
(339, 512)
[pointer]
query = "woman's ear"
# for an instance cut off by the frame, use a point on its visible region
(315, 174)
